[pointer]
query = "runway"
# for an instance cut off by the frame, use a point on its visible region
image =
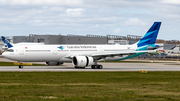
(163, 66)
(107, 67)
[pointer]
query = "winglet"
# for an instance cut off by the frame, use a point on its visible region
(6, 42)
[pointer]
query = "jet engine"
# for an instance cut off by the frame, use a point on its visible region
(82, 61)
(54, 63)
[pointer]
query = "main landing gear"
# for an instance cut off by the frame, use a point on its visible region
(96, 66)
(93, 67)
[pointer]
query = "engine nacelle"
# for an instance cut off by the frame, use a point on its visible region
(54, 63)
(82, 61)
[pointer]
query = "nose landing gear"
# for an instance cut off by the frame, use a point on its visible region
(20, 65)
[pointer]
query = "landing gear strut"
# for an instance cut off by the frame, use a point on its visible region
(96, 66)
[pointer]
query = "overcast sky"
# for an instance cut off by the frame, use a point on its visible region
(96, 17)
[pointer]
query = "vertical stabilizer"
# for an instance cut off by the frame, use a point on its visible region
(6, 42)
(150, 36)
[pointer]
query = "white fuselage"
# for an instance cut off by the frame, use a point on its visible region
(61, 53)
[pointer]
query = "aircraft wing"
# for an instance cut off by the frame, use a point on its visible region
(112, 53)
(119, 53)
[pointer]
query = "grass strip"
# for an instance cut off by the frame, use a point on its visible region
(100, 86)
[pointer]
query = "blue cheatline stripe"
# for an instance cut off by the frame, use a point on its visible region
(143, 41)
(134, 55)
(142, 48)
(145, 47)
(149, 33)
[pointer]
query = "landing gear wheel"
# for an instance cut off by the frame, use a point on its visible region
(92, 67)
(96, 66)
(100, 66)
(20, 66)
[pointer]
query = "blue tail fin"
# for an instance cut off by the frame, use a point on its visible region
(6, 42)
(151, 35)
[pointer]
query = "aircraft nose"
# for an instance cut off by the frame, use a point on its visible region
(4, 54)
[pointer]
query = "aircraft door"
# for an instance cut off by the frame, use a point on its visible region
(21, 51)
(100, 49)
(54, 51)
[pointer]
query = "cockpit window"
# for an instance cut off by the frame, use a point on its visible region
(10, 50)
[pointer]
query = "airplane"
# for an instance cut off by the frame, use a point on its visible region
(82, 56)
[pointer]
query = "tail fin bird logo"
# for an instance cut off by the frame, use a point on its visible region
(61, 47)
